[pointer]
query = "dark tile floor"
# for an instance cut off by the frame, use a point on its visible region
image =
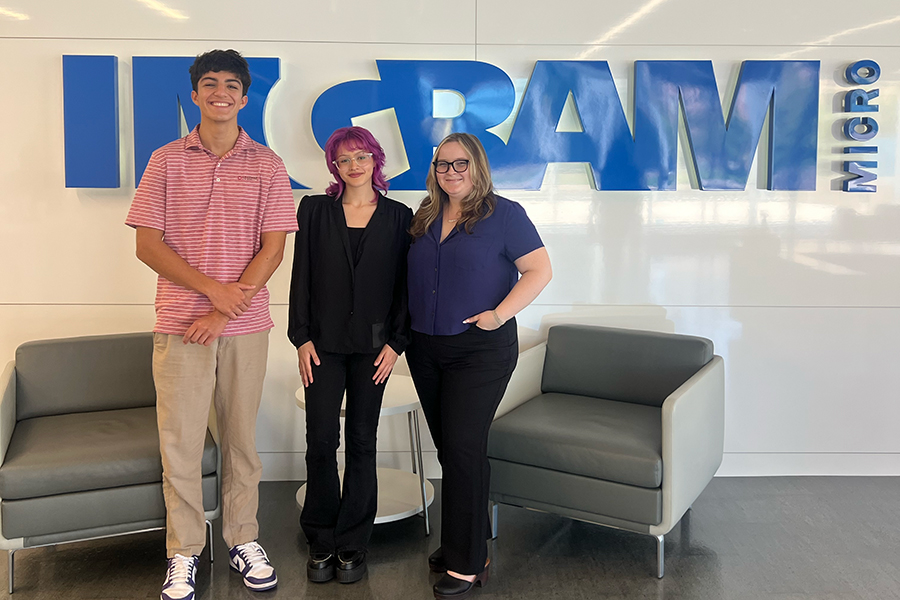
(784, 538)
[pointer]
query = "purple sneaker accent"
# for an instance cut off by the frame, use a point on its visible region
(180, 578)
(250, 560)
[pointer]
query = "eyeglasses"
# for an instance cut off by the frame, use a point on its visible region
(442, 166)
(361, 160)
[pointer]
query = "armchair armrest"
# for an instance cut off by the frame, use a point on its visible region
(693, 437)
(7, 407)
(213, 424)
(525, 382)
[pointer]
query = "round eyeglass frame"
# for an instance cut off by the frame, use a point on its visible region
(359, 160)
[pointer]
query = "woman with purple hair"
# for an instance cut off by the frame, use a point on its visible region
(348, 320)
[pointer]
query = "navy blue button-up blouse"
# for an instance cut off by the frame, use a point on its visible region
(468, 273)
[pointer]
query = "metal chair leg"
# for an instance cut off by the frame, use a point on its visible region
(412, 440)
(494, 514)
(9, 573)
(660, 556)
(414, 418)
(209, 536)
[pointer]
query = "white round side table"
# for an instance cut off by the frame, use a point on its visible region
(401, 494)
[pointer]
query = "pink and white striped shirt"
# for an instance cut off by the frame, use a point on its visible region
(212, 213)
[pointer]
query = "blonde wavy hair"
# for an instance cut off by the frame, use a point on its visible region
(480, 202)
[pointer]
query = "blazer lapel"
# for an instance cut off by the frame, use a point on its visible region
(340, 225)
(374, 225)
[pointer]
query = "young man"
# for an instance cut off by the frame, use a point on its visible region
(211, 214)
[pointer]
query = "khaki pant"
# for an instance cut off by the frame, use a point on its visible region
(188, 377)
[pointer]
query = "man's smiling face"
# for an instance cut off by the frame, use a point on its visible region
(220, 95)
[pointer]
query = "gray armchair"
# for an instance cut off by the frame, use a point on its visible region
(616, 427)
(79, 446)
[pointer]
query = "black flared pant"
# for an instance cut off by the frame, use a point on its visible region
(460, 380)
(333, 519)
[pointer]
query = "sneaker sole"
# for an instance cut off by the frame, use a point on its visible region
(320, 575)
(351, 575)
(256, 587)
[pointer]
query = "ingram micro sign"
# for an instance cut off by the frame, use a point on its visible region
(781, 94)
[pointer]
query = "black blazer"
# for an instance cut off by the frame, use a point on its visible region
(344, 308)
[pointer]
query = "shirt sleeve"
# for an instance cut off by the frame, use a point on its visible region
(399, 336)
(298, 305)
(148, 209)
(520, 236)
(279, 213)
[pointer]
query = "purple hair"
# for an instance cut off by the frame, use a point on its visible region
(354, 138)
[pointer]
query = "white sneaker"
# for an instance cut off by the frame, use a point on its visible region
(179, 583)
(250, 560)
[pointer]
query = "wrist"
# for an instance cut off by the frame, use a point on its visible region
(208, 287)
(497, 318)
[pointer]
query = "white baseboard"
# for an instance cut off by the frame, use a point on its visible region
(291, 466)
(764, 464)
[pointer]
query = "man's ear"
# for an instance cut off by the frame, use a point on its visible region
(194, 97)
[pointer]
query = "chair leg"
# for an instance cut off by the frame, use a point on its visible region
(660, 556)
(209, 536)
(9, 574)
(494, 514)
(413, 419)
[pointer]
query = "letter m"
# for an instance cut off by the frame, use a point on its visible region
(722, 150)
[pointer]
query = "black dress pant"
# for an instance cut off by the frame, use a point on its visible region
(460, 380)
(335, 521)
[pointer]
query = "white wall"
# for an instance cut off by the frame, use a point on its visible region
(799, 291)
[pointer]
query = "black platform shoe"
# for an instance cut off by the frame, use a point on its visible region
(351, 566)
(320, 567)
(451, 588)
(436, 561)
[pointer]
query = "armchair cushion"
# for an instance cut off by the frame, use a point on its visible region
(642, 367)
(83, 374)
(602, 439)
(88, 511)
(524, 485)
(78, 452)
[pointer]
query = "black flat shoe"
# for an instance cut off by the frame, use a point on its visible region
(451, 588)
(436, 561)
(351, 566)
(320, 567)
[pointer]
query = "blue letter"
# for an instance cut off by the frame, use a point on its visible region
(858, 101)
(91, 121)
(859, 183)
(872, 72)
(605, 142)
(861, 150)
(722, 151)
(870, 125)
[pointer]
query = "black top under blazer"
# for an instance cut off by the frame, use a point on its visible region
(348, 304)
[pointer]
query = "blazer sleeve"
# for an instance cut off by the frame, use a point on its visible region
(399, 336)
(298, 307)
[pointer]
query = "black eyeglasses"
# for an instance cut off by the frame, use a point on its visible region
(442, 166)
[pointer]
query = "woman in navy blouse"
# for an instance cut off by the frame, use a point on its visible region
(349, 322)
(469, 248)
